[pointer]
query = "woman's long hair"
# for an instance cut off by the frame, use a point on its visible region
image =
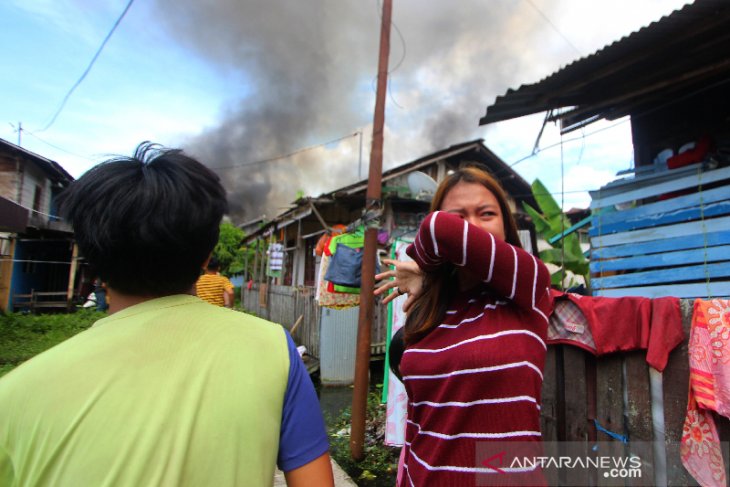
(438, 287)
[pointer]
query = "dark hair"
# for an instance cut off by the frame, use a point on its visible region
(146, 223)
(213, 264)
(429, 309)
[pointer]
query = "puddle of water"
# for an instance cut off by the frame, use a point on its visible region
(334, 400)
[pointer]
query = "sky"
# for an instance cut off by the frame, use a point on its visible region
(240, 83)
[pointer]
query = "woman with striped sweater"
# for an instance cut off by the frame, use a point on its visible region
(478, 308)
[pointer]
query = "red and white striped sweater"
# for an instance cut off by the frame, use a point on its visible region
(477, 377)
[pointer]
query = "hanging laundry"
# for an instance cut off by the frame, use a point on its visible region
(346, 264)
(323, 241)
(605, 325)
(276, 256)
(709, 381)
(397, 399)
(329, 299)
(345, 267)
(342, 289)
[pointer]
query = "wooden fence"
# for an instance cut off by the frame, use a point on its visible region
(285, 304)
(615, 390)
(36, 301)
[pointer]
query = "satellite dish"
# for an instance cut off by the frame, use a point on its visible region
(421, 185)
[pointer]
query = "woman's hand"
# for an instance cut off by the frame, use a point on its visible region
(407, 278)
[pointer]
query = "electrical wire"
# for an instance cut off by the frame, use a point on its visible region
(583, 136)
(632, 116)
(59, 148)
(379, 8)
(88, 68)
(285, 156)
(555, 28)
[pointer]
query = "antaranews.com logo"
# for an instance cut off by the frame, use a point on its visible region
(563, 463)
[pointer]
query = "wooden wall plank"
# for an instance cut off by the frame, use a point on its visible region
(696, 290)
(684, 273)
(648, 190)
(657, 208)
(666, 259)
(609, 407)
(662, 245)
(548, 418)
(657, 233)
(548, 410)
(638, 414)
(639, 180)
(679, 214)
(576, 408)
(676, 385)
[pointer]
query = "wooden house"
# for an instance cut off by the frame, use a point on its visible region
(38, 266)
(284, 299)
(662, 230)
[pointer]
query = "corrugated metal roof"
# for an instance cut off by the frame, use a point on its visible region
(686, 50)
(511, 181)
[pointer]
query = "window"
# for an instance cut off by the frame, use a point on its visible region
(37, 197)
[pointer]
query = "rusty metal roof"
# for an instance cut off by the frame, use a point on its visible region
(684, 52)
(472, 151)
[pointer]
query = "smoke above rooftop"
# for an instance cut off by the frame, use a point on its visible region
(304, 72)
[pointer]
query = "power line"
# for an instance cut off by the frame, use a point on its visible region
(59, 148)
(379, 8)
(632, 116)
(93, 60)
(536, 152)
(285, 156)
(555, 28)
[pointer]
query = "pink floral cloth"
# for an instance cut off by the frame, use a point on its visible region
(709, 380)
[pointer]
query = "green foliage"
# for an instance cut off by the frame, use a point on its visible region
(549, 222)
(380, 464)
(228, 250)
(23, 336)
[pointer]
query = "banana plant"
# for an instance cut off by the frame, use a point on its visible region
(549, 222)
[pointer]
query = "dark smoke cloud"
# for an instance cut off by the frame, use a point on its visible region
(309, 72)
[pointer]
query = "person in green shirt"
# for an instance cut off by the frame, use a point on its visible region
(167, 390)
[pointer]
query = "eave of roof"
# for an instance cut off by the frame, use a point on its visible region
(689, 47)
(50, 167)
(513, 182)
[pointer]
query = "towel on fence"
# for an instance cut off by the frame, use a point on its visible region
(606, 325)
(709, 390)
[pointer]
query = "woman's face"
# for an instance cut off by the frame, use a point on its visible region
(477, 205)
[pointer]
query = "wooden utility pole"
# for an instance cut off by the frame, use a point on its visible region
(372, 204)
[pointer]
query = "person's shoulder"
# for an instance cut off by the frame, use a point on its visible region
(249, 323)
(204, 277)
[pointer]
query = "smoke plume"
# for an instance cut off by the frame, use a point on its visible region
(304, 72)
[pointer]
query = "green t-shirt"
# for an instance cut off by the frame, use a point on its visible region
(172, 392)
